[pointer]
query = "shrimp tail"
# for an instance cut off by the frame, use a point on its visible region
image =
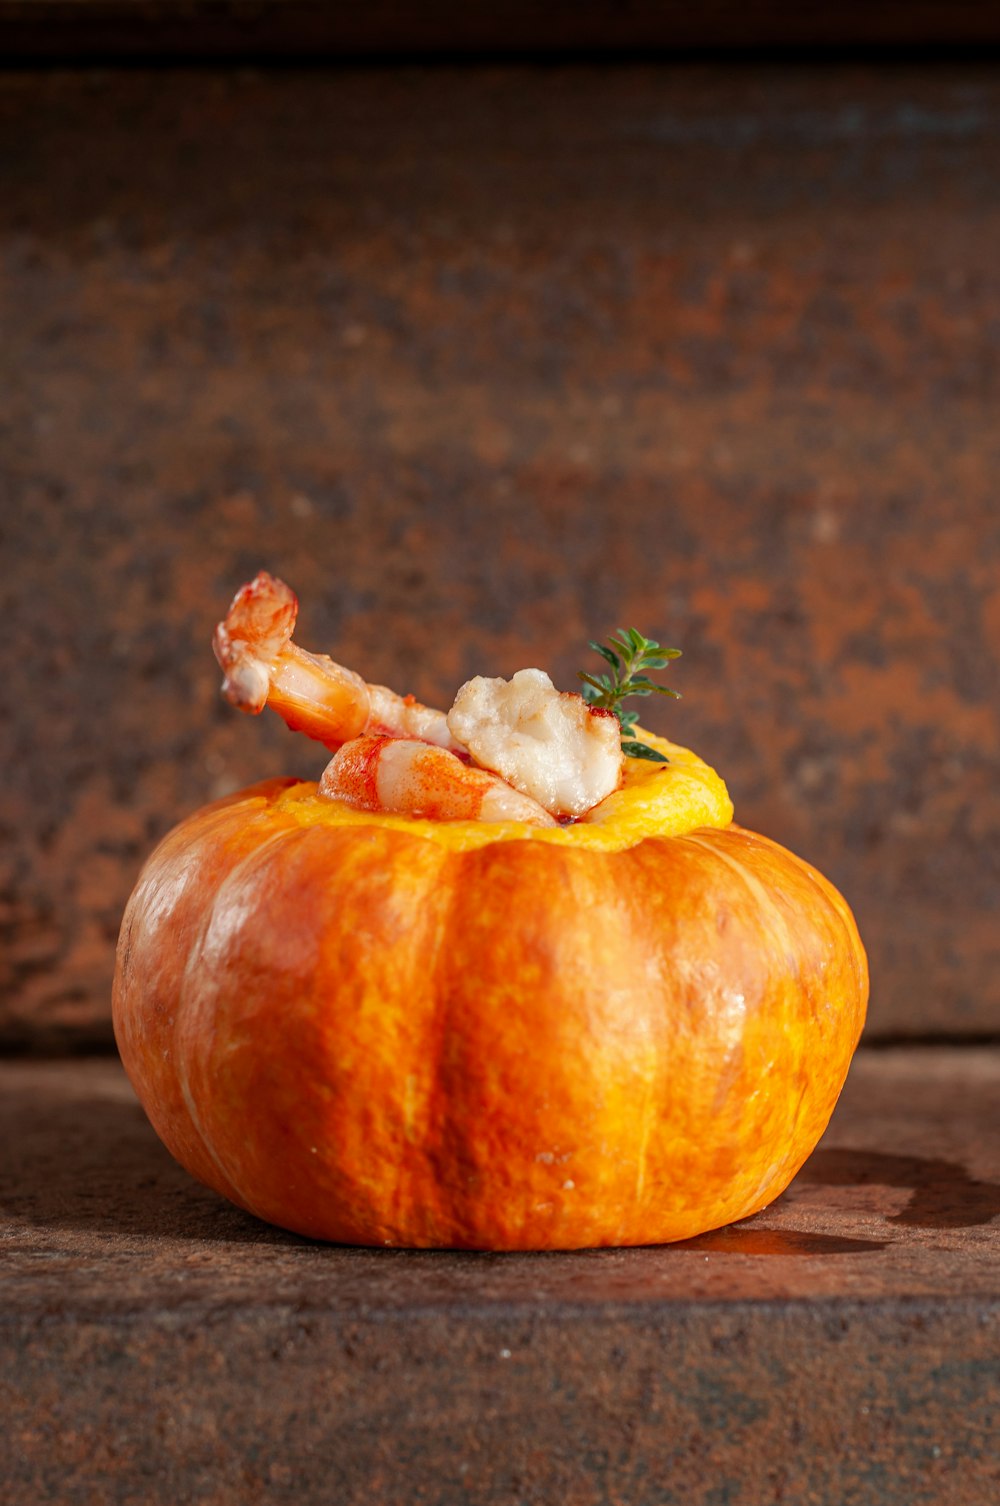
(249, 640)
(310, 692)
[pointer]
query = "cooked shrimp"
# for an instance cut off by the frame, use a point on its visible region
(314, 695)
(547, 743)
(416, 779)
(540, 752)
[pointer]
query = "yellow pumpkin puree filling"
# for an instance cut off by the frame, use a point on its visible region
(654, 800)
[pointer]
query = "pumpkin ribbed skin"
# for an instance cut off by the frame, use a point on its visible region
(370, 1037)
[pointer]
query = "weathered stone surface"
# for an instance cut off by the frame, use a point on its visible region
(485, 363)
(157, 1344)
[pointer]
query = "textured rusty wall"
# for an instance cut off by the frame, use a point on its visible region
(486, 362)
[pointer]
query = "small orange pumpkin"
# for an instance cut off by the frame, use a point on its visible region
(388, 1031)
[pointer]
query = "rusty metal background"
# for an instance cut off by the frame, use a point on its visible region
(842, 1346)
(486, 362)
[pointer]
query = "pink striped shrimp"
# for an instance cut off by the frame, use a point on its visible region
(312, 693)
(416, 779)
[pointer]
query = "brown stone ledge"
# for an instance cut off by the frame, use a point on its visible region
(157, 1345)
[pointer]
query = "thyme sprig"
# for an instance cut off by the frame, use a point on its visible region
(629, 655)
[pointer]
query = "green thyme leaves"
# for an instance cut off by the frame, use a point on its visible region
(629, 656)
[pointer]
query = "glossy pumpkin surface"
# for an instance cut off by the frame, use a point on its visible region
(384, 1031)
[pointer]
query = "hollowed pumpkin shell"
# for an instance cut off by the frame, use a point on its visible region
(385, 1031)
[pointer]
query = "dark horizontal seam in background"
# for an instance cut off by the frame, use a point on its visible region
(954, 1041)
(18, 55)
(93, 1047)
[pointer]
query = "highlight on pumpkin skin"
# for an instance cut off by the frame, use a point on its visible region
(310, 692)
(413, 778)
